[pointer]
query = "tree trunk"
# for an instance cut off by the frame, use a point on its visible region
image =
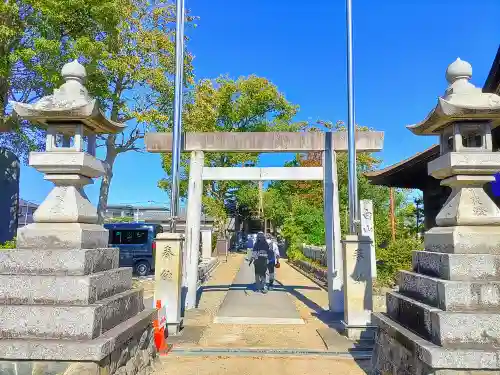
(4, 91)
(106, 179)
(111, 154)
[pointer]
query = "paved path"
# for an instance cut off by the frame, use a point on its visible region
(259, 366)
(297, 298)
(243, 305)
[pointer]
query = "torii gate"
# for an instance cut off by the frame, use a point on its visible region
(266, 142)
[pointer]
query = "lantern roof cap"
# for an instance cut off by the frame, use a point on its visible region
(69, 104)
(462, 101)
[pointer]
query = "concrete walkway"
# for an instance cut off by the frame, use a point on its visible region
(243, 305)
(227, 303)
(292, 312)
(259, 366)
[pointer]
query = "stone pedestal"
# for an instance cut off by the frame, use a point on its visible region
(445, 318)
(358, 289)
(72, 305)
(168, 278)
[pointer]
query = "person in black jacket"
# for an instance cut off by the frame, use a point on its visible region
(260, 255)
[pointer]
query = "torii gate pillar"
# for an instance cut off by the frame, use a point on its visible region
(332, 227)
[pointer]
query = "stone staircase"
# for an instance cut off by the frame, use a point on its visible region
(72, 305)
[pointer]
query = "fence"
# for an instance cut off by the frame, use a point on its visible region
(316, 253)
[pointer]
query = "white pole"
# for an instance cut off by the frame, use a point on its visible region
(177, 129)
(351, 130)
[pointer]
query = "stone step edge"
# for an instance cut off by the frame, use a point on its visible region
(466, 323)
(76, 350)
(447, 261)
(121, 278)
(427, 309)
(436, 356)
(102, 319)
(59, 262)
(441, 285)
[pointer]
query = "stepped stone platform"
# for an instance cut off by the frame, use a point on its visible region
(448, 321)
(435, 325)
(70, 317)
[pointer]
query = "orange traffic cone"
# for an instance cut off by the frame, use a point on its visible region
(159, 332)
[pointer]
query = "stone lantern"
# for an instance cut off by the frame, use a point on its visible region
(445, 317)
(66, 218)
(66, 306)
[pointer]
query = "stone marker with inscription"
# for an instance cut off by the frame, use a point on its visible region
(63, 298)
(368, 230)
(358, 288)
(445, 318)
(168, 278)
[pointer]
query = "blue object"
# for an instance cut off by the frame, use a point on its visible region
(136, 242)
(495, 186)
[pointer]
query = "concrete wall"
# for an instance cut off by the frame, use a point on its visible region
(9, 194)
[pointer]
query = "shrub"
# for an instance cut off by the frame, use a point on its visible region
(397, 256)
(124, 219)
(294, 252)
(8, 245)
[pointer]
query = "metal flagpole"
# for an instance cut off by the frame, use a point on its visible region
(177, 129)
(351, 130)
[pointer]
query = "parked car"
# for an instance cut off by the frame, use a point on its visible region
(137, 245)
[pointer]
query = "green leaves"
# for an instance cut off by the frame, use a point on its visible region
(36, 38)
(247, 104)
(395, 257)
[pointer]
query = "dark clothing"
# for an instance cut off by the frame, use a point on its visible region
(260, 265)
(270, 267)
(260, 258)
(261, 249)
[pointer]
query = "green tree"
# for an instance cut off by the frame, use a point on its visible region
(131, 69)
(301, 201)
(276, 206)
(36, 37)
(127, 47)
(248, 104)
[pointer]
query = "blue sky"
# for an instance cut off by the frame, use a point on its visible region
(401, 51)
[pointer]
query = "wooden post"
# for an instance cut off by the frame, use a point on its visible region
(391, 213)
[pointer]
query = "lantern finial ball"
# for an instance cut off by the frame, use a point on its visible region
(459, 69)
(74, 70)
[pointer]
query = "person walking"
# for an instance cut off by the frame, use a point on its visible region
(273, 259)
(250, 243)
(259, 258)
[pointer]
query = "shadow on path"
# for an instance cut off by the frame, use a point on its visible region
(335, 337)
(324, 315)
(247, 287)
